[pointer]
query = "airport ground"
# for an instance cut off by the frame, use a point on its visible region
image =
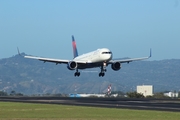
(128, 103)
(37, 111)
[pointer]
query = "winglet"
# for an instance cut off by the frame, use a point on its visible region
(75, 52)
(19, 52)
(150, 53)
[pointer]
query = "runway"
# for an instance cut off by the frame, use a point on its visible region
(172, 105)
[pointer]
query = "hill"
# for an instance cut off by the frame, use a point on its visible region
(29, 76)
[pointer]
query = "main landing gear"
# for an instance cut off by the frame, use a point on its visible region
(101, 74)
(77, 73)
(103, 70)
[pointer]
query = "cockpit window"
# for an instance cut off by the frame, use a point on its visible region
(106, 52)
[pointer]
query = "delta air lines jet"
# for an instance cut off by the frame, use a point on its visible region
(98, 58)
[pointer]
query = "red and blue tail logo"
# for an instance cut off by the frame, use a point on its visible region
(75, 52)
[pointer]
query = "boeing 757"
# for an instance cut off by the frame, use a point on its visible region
(98, 58)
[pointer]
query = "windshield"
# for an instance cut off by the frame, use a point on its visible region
(106, 52)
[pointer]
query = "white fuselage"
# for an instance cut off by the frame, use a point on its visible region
(99, 55)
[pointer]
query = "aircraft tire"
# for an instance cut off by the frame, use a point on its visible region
(77, 74)
(101, 74)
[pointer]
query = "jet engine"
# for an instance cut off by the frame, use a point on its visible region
(116, 66)
(72, 65)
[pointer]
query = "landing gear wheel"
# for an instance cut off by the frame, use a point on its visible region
(101, 74)
(77, 74)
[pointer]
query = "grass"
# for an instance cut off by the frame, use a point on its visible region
(29, 111)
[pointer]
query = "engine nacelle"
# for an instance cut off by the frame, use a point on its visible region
(116, 66)
(72, 65)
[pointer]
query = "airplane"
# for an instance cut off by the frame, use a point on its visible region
(99, 58)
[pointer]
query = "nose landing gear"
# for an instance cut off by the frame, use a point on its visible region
(103, 70)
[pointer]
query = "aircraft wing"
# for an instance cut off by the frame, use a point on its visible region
(129, 59)
(57, 61)
(48, 59)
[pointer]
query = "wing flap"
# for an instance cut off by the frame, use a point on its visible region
(57, 61)
(48, 59)
(129, 59)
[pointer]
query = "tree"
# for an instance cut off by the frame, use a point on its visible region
(160, 95)
(19, 94)
(135, 95)
(2, 93)
(13, 93)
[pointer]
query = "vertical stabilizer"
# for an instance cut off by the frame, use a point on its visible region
(75, 52)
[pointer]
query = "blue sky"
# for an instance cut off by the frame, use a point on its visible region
(129, 28)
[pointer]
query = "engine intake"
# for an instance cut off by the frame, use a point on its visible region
(116, 66)
(72, 65)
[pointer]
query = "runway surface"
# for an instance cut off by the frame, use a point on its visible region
(139, 104)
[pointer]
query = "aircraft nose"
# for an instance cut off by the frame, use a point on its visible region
(109, 57)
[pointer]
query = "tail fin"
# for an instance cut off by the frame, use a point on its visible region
(75, 52)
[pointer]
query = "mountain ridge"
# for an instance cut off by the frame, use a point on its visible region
(29, 76)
